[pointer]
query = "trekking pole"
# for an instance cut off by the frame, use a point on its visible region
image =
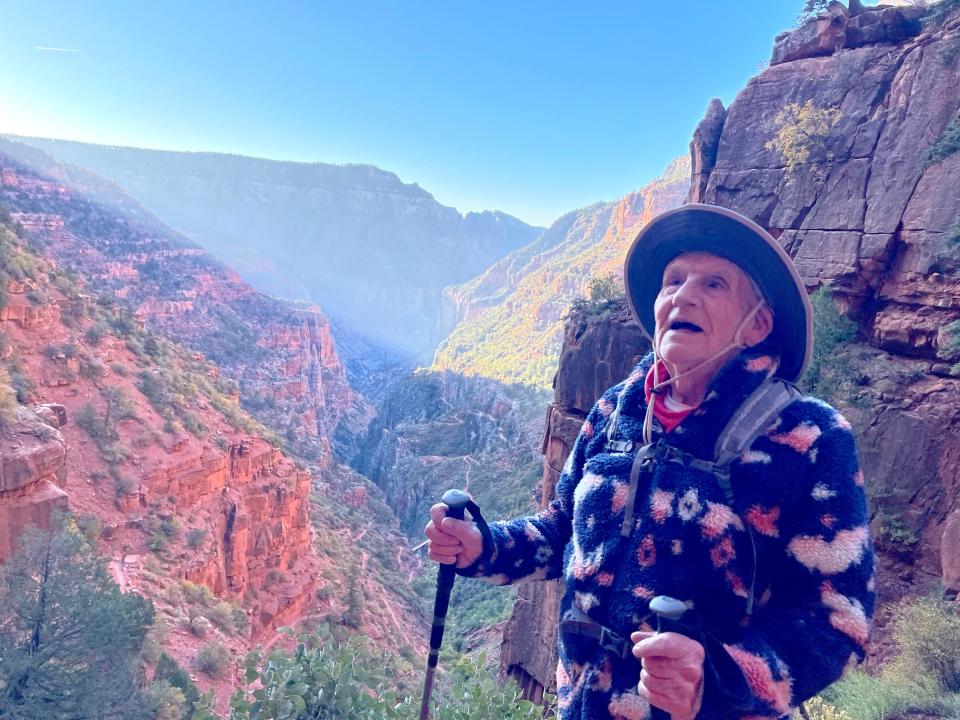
(456, 501)
(670, 610)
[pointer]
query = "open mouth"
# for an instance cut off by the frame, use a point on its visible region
(683, 325)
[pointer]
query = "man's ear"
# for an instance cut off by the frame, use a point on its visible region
(760, 328)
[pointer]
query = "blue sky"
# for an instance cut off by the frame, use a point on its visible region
(533, 108)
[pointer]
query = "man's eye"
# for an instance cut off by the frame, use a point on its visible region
(716, 284)
(674, 281)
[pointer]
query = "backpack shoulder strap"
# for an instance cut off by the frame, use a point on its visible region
(753, 416)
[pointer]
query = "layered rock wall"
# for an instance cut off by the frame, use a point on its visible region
(872, 215)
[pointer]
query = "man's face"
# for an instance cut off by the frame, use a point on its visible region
(701, 304)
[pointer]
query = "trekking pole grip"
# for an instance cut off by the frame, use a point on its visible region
(456, 502)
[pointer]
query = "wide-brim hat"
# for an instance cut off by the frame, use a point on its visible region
(719, 231)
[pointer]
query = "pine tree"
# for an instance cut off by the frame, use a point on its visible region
(69, 639)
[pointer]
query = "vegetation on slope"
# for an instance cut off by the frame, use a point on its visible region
(518, 338)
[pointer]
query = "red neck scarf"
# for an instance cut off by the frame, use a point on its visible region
(667, 417)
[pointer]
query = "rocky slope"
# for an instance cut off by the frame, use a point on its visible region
(507, 323)
(371, 250)
(146, 443)
(282, 358)
(435, 431)
(217, 506)
(871, 212)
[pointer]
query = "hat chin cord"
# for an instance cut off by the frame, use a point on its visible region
(736, 342)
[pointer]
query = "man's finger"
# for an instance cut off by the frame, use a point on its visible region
(443, 558)
(664, 686)
(439, 537)
(668, 645)
(459, 529)
(437, 513)
(660, 668)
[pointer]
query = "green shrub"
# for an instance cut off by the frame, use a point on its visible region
(951, 334)
(221, 615)
(831, 375)
(923, 677)
(95, 333)
(927, 633)
(817, 709)
(167, 669)
(195, 536)
(800, 133)
(863, 697)
(335, 680)
(170, 528)
(19, 380)
(37, 297)
(196, 594)
(192, 423)
(213, 659)
(123, 487)
(157, 542)
(89, 526)
(164, 701)
(8, 398)
(944, 146)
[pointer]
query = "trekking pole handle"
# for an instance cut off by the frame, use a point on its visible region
(456, 501)
(667, 608)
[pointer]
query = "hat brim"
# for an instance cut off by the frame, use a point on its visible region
(719, 231)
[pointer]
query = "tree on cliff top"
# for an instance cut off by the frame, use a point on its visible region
(69, 639)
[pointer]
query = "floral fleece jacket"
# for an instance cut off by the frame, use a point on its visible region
(798, 497)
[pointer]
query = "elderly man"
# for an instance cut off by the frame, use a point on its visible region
(705, 477)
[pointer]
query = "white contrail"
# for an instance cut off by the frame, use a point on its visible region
(55, 49)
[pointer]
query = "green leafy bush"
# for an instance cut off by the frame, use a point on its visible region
(8, 398)
(831, 375)
(800, 132)
(195, 536)
(213, 659)
(89, 526)
(96, 332)
(946, 145)
(334, 680)
(69, 639)
(927, 633)
(922, 678)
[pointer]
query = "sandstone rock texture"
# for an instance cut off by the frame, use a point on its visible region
(872, 218)
(32, 477)
(257, 507)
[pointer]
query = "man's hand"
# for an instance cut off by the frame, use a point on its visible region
(672, 674)
(452, 541)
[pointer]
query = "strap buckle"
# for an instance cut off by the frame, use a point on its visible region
(614, 643)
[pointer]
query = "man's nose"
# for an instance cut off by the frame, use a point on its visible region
(687, 294)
